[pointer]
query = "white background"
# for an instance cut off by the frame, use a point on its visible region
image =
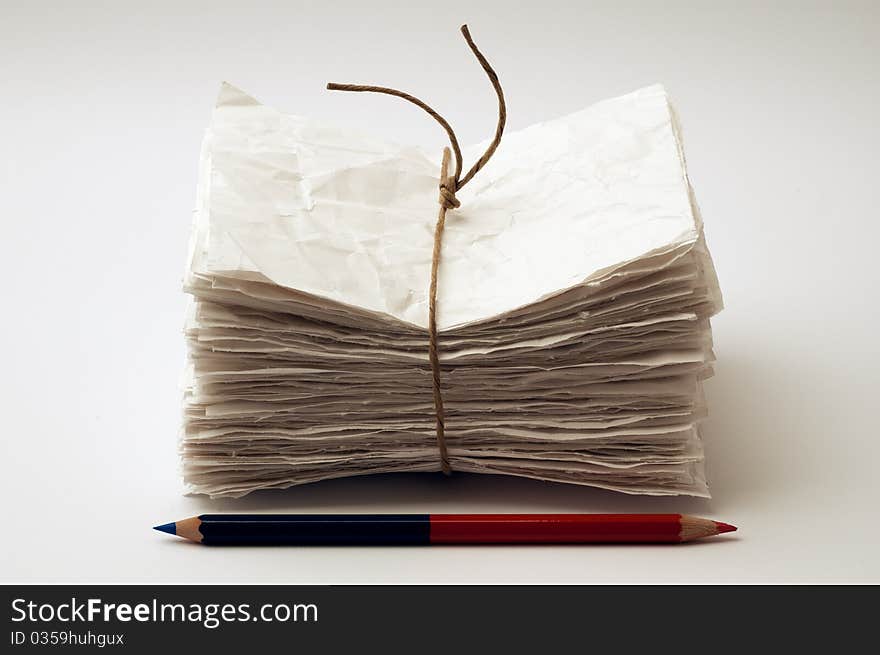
(102, 114)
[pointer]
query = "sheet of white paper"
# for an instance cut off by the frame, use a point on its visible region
(342, 216)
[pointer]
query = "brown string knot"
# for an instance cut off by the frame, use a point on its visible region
(447, 194)
(449, 184)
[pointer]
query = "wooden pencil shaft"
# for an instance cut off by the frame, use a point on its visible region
(426, 529)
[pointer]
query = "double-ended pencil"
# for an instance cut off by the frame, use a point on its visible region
(429, 529)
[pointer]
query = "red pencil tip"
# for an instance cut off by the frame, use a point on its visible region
(724, 527)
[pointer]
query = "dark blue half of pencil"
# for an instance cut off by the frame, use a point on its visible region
(303, 529)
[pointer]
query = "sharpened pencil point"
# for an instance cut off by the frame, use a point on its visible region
(170, 528)
(724, 527)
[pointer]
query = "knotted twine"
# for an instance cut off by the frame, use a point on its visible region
(449, 185)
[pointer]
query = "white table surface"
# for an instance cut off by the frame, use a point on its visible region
(102, 115)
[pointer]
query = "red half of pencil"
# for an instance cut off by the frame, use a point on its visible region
(429, 529)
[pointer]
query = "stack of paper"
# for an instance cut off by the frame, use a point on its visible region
(574, 299)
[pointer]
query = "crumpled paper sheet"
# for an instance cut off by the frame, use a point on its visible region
(349, 218)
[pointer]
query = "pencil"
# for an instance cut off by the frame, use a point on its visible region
(432, 529)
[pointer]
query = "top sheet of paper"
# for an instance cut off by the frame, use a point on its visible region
(350, 218)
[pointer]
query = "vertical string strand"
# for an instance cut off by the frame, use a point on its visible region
(449, 185)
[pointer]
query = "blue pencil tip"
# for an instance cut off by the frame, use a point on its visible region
(170, 528)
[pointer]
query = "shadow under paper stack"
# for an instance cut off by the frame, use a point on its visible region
(575, 291)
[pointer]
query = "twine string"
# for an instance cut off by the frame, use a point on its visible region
(449, 185)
